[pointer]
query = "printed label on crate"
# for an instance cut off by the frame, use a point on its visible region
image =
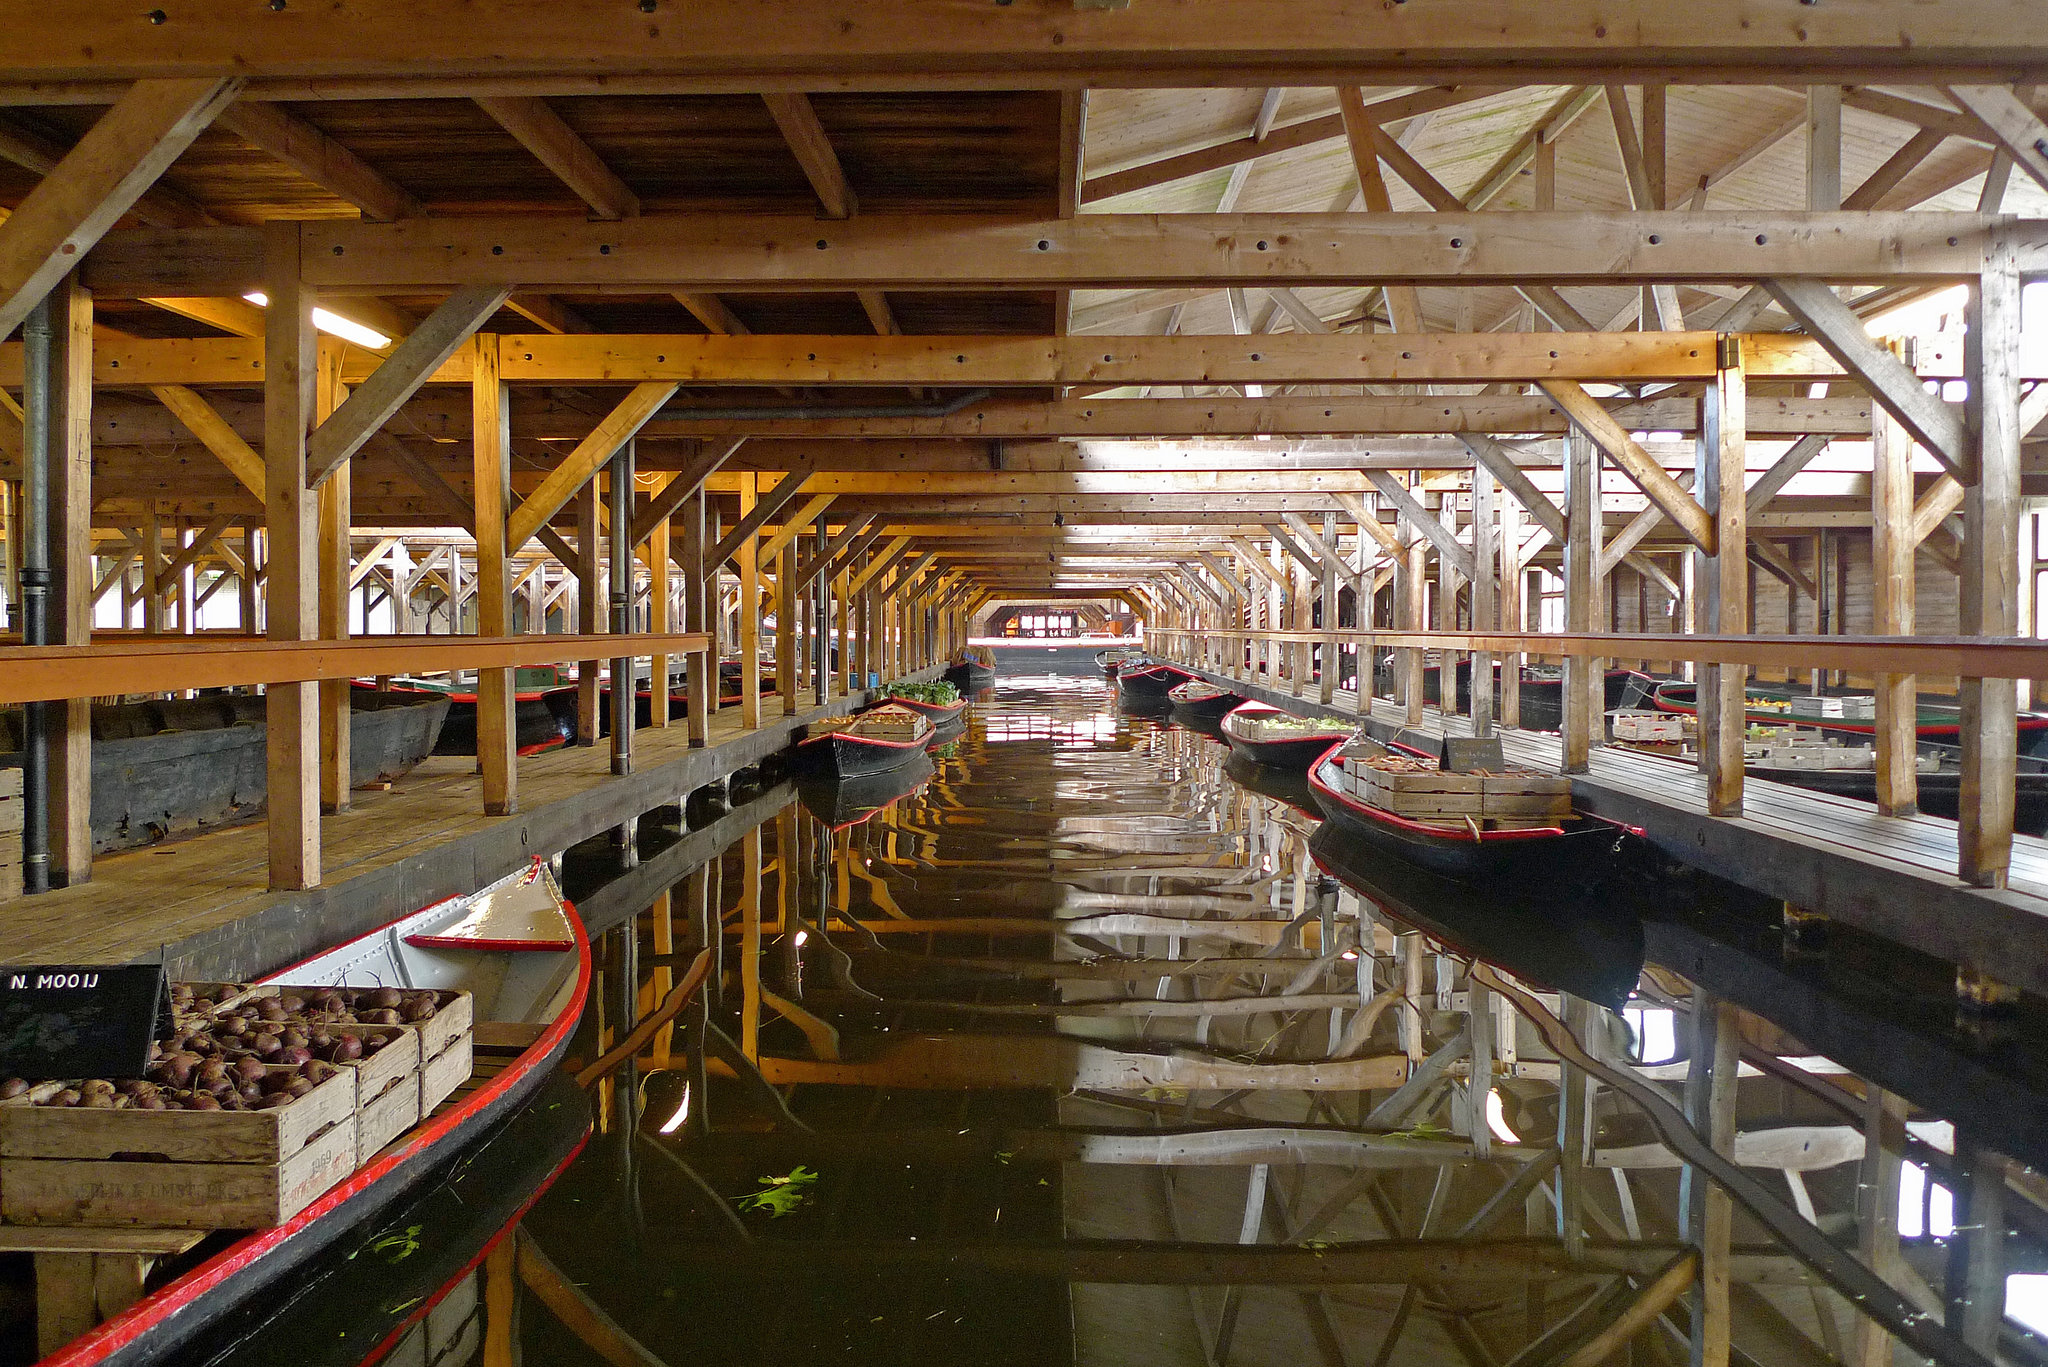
(80, 1020)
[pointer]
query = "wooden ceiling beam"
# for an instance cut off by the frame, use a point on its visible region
(98, 181)
(549, 315)
(712, 312)
(724, 253)
(160, 206)
(320, 159)
(1249, 43)
(564, 480)
(557, 146)
(798, 120)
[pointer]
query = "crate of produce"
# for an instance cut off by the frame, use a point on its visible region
(1526, 795)
(157, 1154)
(1416, 788)
(1655, 728)
(442, 1075)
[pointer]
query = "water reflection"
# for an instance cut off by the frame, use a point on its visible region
(1091, 1046)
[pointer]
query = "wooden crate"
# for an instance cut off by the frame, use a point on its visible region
(383, 1118)
(441, 1075)
(175, 1169)
(454, 1015)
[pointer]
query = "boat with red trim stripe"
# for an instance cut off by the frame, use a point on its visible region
(518, 947)
(1267, 735)
(869, 742)
(1471, 847)
(1200, 703)
(1150, 683)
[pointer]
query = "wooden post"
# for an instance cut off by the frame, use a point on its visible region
(251, 601)
(589, 611)
(1705, 1209)
(658, 620)
(1989, 604)
(1725, 575)
(619, 488)
(698, 590)
(68, 513)
(1891, 572)
(1513, 613)
(789, 654)
(333, 515)
(1447, 586)
(1485, 597)
(291, 710)
(750, 612)
(1414, 591)
(841, 599)
(491, 442)
(1326, 692)
(1581, 588)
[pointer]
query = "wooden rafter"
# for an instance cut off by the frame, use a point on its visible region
(1639, 465)
(98, 181)
(808, 141)
(160, 206)
(541, 131)
(764, 510)
(1455, 553)
(320, 159)
(214, 434)
(590, 454)
(685, 483)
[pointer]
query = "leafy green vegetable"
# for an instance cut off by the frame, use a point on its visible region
(938, 693)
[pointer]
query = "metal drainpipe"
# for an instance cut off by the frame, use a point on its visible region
(35, 591)
(622, 607)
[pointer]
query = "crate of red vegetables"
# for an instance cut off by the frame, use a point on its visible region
(206, 1141)
(439, 1020)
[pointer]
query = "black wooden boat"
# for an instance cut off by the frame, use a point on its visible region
(1542, 690)
(1200, 703)
(871, 742)
(972, 670)
(520, 948)
(1292, 743)
(1935, 722)
(1464, 851)
(1114, 659)
(538, 718)
(1282, 785)
(937, 713)
(1149, 684)
(179, 766)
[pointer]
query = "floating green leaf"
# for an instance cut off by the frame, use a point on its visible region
(780, 1196)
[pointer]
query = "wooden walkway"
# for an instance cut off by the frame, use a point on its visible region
(203, 901)
(1893, 876)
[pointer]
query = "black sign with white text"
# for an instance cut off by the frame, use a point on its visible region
(79, 1020)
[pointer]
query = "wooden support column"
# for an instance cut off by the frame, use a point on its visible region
(1891, 565)
(291, 710)
(750, 611)
(1705, 1209)
(1513, 616)
(67, 512)
(1581, 588)
(491, 444)
(1724, 576)
(247, 584)
(589, 612)
(1989, 603)
(1326, 690)
(1485, 597)
(333, 514)
(1414, 594)
(842, 600)
(789, 655)
(659, 593)
(699, 597)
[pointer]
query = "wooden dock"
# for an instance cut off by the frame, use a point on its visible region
(202, 902)
(1892, 876)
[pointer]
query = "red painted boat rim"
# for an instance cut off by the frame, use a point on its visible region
(1456, 835)
(132, 1323)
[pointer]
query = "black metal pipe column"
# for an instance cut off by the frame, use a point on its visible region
(35, 591)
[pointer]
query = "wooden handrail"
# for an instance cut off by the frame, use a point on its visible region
(164, 664)
(1969, 657)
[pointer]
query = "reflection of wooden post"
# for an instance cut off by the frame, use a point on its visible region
(501, 1305)
(1719, 484)
(491, 443)
(663, 980)
(1581, 585)
(1877, 1213)
(750, 612)
(750, 943)
(589, 611)
(291, 710)
(1707, 1213)
(1891, 575)
(333, 514)
(69, 617)
(1989, 603)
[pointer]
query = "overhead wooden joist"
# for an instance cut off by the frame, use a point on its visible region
(731, 45)
(1093, 251)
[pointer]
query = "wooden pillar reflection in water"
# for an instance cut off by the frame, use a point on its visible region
(1704, 1208)
(750, 943)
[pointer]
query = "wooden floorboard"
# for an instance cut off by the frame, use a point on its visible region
(203, 887)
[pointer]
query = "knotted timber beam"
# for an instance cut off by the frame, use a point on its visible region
(590, 455)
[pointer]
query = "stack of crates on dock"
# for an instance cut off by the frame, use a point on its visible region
(1508, 798)
(173, 1151)
(1855, 707)
(1647, 728)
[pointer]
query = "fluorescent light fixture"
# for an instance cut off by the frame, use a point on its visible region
(675, 1122)
(801, 936)
(1497, 1120)
(332, 323)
